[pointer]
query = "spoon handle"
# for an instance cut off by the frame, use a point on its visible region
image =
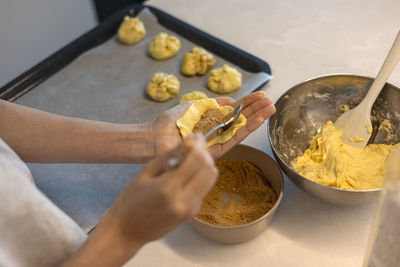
(175, 161)
(390, 62)
(213, 130)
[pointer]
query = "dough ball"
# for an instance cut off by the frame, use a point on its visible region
(224, 80)
(194, 114)
(131, 30)
(195, 95)
(163, 86)
(164, 46)
(197, 62)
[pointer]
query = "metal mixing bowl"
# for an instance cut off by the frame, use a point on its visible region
(245, 232)
(305, 108)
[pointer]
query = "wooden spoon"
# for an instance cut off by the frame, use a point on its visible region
(356, 123)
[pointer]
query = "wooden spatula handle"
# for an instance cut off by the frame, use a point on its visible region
(390, 62)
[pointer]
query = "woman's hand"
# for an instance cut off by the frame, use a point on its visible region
(159, 199)
(151, 205)
(256, 108)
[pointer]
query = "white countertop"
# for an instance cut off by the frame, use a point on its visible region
(300, 40)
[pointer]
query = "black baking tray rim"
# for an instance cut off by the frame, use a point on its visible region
(107, 29)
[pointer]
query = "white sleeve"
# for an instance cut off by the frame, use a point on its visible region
(33, 231)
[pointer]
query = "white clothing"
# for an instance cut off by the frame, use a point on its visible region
(33, 231)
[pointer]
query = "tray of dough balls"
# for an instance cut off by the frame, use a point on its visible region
(150, 63)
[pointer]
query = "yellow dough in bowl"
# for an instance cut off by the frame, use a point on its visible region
(224, 80)
(195, 95)
(194, 117)
(330, 162)
(131, 30)
(164, 46)
(163, 87)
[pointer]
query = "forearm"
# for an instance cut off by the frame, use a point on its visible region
(105, 247)
(38, 136)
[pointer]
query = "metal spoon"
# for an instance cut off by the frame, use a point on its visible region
(228, 121)
(356, 123)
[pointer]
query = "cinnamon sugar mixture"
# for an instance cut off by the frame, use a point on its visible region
(241, 195)
(209, 120)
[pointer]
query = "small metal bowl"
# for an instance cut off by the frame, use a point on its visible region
(245, 232)
(305, 108)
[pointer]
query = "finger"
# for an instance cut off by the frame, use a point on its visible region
(195, 189)
(265, 112)
(256, 106)
(158, 165)
(224, 101)
(253, 122)
(194, 161)
(249, 99)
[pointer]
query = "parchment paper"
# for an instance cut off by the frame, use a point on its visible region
(108, 83)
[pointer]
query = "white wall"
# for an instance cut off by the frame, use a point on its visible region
(32, 30)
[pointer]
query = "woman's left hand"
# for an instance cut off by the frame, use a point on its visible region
(256, 108)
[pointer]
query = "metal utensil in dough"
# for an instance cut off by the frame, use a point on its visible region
(229, 120)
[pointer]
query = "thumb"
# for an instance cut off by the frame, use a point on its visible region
(160, 164)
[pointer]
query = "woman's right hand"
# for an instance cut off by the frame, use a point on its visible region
(159, 200)
(151, 205)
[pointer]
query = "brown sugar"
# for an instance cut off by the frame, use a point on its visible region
(241, 195)
(209, 120)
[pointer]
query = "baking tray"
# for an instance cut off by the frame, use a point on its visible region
(84, 80)
(107, 29)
